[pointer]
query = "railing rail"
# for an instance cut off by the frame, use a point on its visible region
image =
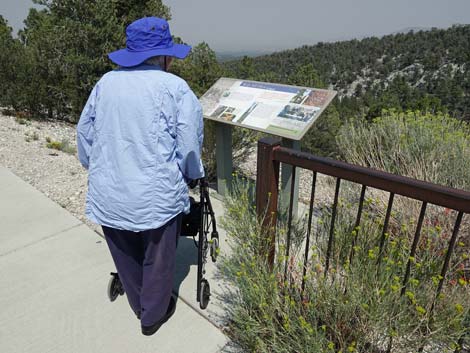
(271, 154)
(400, 185)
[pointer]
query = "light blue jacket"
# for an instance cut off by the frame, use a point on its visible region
(140, 137)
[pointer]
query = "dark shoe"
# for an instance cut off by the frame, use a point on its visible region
(150, 330)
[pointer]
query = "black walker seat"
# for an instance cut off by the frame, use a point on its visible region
(200, 221)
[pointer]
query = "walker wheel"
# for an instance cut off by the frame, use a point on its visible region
(214, 249)
(204, 294)
(114, 287)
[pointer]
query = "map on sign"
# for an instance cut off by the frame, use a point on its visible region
(282, 110)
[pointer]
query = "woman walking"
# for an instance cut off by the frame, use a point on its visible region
(140, 137)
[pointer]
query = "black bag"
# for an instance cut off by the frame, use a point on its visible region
(192, 220)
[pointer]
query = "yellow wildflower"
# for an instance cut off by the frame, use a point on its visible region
(420, 310)
(459, 308)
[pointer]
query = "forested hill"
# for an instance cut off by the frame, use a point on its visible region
(426, 70)
(50, 68)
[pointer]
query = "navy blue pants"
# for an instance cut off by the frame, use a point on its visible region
(145, 262)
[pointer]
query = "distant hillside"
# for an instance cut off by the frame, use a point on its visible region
(412, 29)
(224, 56)
(427, 70)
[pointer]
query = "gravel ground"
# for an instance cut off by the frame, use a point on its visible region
(57, 174)
(60, 176)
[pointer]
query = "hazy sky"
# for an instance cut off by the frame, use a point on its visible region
(265, 25)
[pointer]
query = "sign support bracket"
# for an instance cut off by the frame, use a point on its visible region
(286, 180)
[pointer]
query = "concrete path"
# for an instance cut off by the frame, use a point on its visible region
(53, 276)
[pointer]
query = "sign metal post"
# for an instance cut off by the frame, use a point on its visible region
(223, 155)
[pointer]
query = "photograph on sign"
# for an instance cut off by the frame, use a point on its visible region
(282, 110)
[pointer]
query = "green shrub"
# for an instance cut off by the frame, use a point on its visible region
(364, 296)
(63, 145)
(23, 118)
(320, 139)
(424, 146)
(357, 306)
(259, 322)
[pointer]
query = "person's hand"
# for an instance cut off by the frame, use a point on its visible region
(192, 183)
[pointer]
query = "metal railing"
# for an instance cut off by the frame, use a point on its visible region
(271, 154)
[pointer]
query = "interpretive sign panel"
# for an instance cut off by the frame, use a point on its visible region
(282, 110)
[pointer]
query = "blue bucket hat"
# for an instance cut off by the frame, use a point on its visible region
(148, 37)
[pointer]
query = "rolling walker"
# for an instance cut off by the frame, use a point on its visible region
(198, 223)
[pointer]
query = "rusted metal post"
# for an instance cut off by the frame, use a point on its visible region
(267, 184)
